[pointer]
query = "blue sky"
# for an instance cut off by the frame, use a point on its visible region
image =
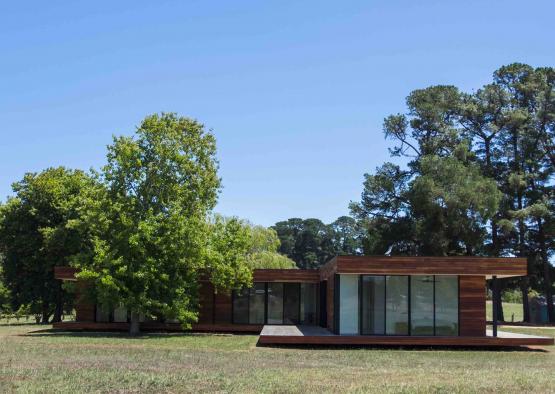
(295, 92)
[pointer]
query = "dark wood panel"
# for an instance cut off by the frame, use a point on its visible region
(65, 273)
(206, 303)
(286, 275)
(455, 265)
(472, 305)
(222, 308)
(330, 304)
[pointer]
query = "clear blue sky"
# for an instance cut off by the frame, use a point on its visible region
(295, 91)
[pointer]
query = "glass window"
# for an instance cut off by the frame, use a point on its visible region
(396, 305)
(447, 305)
(102, 314)
(422, 305)
(257, 301)
(308, 303)
(291, 303)
(275, 303)
(241, 306)
(373, 305)
(348, 304)
(120, 314)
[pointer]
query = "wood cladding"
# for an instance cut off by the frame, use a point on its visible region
(286, 275)
(452, 265)
(472, 305)
(65, 273)
(330, 304)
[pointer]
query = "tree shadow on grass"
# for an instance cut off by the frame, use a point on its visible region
(57, 333)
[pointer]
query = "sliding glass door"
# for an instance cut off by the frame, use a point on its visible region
(405, 305)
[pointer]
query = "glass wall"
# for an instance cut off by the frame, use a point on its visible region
(396, 305)
(309, 303)
(372, 305)
(241, 306)
(275, 303)
(422, 305)
(120, 314)
(257, 302)
(385, 305)
(348, 304)
(447, 305)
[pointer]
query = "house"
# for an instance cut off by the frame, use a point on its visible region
(350, 300)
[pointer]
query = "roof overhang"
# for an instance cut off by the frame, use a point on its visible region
(502, 267)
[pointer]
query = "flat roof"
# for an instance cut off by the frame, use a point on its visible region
(502, 267)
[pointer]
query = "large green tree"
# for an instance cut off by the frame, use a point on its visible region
(151, 233)
(37, 233)
(497, 141)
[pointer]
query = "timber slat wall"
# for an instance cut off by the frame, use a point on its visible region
(286, 275)
(472, 306)
(406, 265)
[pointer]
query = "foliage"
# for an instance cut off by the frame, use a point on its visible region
(311, 243)
(37, 233)
(255, 246)
(479, 178)
(151, 236)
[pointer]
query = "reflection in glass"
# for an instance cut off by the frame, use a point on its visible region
(291, 300)
(373, 305)
(447, 306)
(257, 295)
(275, 303)
(396, 305)
(348, 304)
(120, 314)
(241, 306)
(308, 303)
(422, 305)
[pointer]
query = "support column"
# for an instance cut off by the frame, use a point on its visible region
(494, 301)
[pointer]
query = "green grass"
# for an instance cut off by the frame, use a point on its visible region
(509, 310)
(32, 360)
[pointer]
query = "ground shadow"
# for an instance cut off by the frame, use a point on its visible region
(408, 347)
(52, 332)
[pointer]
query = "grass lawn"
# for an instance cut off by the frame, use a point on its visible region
(48, 361)
(509, 309)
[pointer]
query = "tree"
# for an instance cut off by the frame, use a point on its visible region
(311, 243)
(258, 245)
(5, 296)
(505, 132)
(151, 236)
(37, 233)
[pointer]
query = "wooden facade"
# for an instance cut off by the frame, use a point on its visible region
(216, 309)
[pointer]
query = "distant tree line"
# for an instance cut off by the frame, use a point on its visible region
(311, 243)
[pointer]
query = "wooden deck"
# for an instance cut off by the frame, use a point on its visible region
(311, 335)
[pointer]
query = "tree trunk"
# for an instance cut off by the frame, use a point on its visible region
(134, 328)
(45, 314)
(496, 299)
(525, 302)
(58, 310)
(548, 285)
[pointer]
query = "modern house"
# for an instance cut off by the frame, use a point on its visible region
(349, 300)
